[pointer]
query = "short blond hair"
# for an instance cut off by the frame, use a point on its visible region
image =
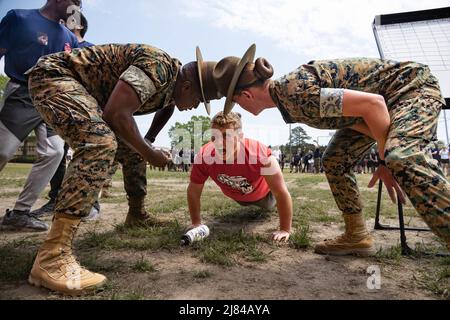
(232, 119)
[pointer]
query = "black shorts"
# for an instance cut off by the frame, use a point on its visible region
(445, 161)
(20, 116)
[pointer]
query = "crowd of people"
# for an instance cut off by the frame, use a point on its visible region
(309, 161)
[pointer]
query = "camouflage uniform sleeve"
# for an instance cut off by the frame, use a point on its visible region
(331, 101)
(141, 83)
(150, 72)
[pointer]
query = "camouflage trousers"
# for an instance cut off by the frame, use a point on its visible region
(76, 116)
(413, 130)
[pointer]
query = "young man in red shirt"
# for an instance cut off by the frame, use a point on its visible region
(245, 171)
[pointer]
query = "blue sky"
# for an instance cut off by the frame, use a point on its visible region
(287, 32)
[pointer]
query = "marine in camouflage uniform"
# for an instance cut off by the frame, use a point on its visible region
(70, 91)
(406, 101)
(313, 95)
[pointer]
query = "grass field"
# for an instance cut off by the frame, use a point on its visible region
(238, 260)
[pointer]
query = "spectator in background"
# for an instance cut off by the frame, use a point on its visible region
(317, 160)
(360, 166)
(435, 153)
(25, 36)
(192, 157)
(283, 160)
(373, 161)
(445, 162)
(185, 158)
(298, 161)
(79, 29)
(276, 153)
(291, 163)
(366, 163)
(308, 156)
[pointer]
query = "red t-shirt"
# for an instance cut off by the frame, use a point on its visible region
(241, 180)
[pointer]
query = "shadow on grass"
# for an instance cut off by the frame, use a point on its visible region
(166, 236)
(244, 214)
(95, 263)
(16, 260)
(225, 248)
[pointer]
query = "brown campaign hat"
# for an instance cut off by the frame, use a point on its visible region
(208, 86)
(227, 73)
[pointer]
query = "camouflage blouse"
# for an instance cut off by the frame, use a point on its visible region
(313, 93)
(150, 71)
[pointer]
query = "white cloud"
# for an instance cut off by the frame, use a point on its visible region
(308, 29)
(101, 6)
(316, 29)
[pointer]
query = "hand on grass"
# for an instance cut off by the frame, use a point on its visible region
(281, 236)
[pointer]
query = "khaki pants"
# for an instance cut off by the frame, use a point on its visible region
(267, 203)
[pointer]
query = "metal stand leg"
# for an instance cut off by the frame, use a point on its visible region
(406, 250)
(379, 226)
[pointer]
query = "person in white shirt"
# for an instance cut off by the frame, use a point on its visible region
(445, 159)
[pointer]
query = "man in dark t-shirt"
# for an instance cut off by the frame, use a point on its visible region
(79, 29)
(78, 24)
(25, 36)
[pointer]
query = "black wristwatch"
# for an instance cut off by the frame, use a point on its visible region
(151, 139)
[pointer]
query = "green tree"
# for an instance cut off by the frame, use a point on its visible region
(298, 140)
(298, 137)
(192, 134)
(3, 81)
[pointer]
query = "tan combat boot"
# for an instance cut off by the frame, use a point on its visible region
(355, 241)
(137, 216)
(56, 268)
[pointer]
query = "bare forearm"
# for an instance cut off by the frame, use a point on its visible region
(125, 127)
(194, 206)
(284, 206)
(118, 114)
(159, 121)
(372, 108)
(378, 123)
